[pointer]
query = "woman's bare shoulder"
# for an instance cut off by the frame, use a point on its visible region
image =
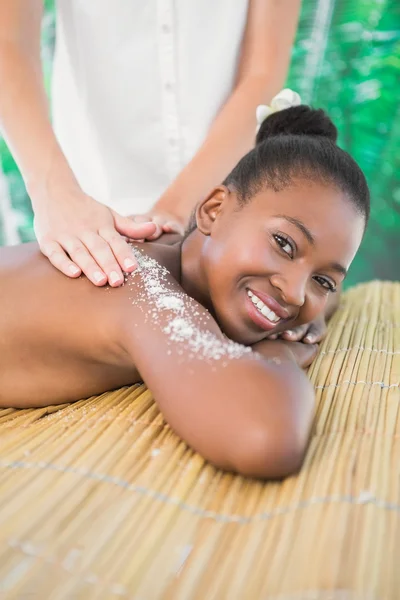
(131, 303)
(165, 257)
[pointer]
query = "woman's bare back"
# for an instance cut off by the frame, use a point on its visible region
(57, 341)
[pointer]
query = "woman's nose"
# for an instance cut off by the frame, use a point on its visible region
(292, 290)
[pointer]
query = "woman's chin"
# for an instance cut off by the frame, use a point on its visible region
(241, 329)
(241, 334)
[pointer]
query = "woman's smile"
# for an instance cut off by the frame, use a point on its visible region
(264, 311)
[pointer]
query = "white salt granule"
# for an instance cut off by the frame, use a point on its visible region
(153, 291)
(179, 329)
(170, 302)
(152, 282)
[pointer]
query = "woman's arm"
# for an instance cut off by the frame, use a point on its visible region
(270, 31)
(66, 219)
(314, 332)
(242, 411)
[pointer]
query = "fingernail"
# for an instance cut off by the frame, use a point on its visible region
(73, 269)
(289, 332)
(308, 338)
(98, 276)
(114, 277)
(128, 263)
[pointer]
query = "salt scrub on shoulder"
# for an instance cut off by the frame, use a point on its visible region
(183, 327)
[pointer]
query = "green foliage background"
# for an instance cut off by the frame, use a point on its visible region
(346, 59)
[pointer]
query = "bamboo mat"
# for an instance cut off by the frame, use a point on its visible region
(99, 499)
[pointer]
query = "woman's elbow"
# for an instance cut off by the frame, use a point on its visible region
(267, 456)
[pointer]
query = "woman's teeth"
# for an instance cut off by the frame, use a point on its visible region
(264, 310)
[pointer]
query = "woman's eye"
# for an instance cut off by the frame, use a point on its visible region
(325, 283)
(284, 244)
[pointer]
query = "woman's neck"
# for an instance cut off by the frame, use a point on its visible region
(184, 262)
(193, 279)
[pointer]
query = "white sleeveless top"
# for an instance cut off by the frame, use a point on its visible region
(136, 86)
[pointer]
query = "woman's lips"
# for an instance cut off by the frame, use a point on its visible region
(271, 303)
(258, 318)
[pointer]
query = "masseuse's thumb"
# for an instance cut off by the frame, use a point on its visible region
(174, 227)
(136, 231)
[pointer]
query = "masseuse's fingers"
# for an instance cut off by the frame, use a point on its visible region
(120, 249)
(139, 220)
(174, 227)
(82, 257)
(157, 232)
(165, 223)
(135, 230)
(70, 224)
(59, 259)
(104, 256)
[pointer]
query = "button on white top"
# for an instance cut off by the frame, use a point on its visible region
(136, 88)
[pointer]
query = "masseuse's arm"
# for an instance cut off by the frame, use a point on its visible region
(67, 221)
(265, 57)
(250, 415)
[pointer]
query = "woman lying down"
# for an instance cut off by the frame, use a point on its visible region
(266, 252)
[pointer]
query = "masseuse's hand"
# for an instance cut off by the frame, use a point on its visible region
(310, 333)
(80, 235)
(165, 222)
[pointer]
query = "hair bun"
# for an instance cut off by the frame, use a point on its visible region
(297, 120)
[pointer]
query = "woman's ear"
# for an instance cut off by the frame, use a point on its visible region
(208, 210)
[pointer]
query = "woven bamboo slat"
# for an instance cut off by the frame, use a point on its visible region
(99, 499)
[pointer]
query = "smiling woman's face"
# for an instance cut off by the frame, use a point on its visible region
(271, 264)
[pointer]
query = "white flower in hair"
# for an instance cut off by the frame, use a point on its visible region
(285, 99)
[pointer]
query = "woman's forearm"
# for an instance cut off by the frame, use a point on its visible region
(250, 416)
(24, 112)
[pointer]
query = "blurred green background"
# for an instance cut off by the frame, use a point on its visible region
(346, 59)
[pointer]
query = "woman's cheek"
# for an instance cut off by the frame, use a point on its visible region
(240, 258)
(313, 307)
(258, 259)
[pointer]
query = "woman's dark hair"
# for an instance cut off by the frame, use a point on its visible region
(298, 142)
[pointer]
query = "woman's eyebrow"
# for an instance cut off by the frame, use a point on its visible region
(297, 223)
(339, 268)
